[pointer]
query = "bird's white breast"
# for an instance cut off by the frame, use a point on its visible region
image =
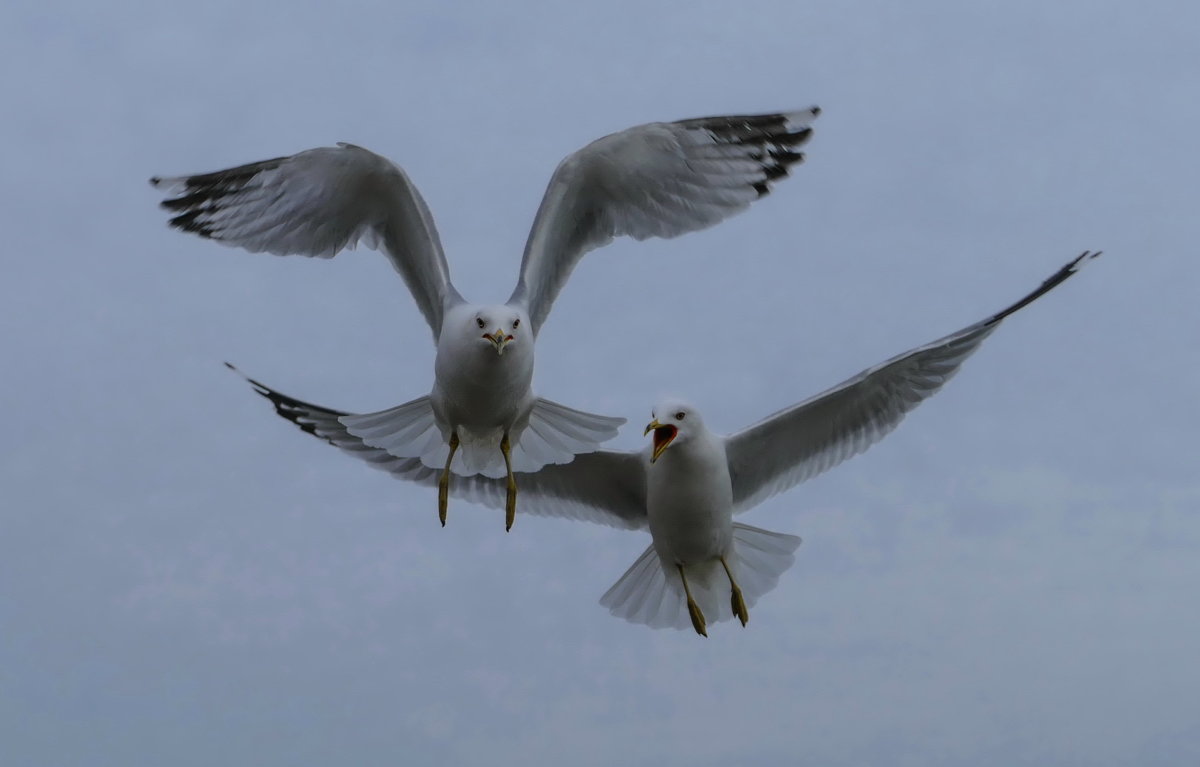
(689, 500)
(479, 390)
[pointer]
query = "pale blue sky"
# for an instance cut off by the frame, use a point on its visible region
(1008, 579)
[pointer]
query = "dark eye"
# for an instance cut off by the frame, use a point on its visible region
(680, 415)
(479, 321)
(516, 322)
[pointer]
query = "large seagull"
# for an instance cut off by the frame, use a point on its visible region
(481, 416)
(688, 483)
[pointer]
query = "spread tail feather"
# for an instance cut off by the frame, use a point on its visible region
(650, 591)
(556, 434)
(405, 431)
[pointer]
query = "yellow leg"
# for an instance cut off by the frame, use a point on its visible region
(444, 480)
(693, 608)
(510, 499)
(739, 604)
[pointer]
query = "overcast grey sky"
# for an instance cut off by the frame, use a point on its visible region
(1008, 579)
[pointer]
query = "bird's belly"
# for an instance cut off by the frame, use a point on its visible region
(480, 401)
(690, 527)
(479, 413)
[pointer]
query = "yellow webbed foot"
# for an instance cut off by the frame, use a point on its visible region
(735, 599)
(739, 606)
(693, 608)
(510, 498)
(510, 504)
(697, 617)
(444, 481)
(443, 496)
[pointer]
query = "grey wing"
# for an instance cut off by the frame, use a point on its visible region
(317, 203)
(605, 487)
(804, 440)
(654, 180)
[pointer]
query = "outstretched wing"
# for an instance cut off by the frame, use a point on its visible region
(604, 487)
(804, 440)
(654, 180)
(317, 203)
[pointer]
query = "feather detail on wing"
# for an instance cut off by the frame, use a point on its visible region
(318, 203)
(557, 434)
(409, 430)
(654, 180)
(605, 487)
(554, 433)
(806, 439)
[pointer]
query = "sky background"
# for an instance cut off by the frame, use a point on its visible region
(1008, 579)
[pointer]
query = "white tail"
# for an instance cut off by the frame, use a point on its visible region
(554, 434)
(411, 431)
(405, 431)
(650, 591)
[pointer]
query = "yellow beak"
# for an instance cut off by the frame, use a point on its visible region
(499, 339)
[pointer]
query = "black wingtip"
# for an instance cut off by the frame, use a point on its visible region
(235, 369)
(799, 138)
(188, 222)
(1050, 283)
(290, 408)
(259, 388)
(1083, 258)
(280, 399)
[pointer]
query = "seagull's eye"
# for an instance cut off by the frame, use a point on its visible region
(479, 321)
(516, 322)
(680, 415)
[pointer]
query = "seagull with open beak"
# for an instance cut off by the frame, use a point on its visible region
(664, 435)
(689, 508)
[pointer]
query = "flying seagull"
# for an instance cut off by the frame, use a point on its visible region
(481, 416)
(689, 482)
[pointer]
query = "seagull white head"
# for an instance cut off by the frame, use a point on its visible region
(674, 421)
(497, 326)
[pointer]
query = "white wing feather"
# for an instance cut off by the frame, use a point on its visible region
(798, 443)
(654, 180)
(318, 203)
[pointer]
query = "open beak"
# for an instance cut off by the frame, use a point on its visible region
(499, 339)
(664, 434)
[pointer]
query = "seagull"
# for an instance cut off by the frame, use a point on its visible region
(689, 482)
(481, 417)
